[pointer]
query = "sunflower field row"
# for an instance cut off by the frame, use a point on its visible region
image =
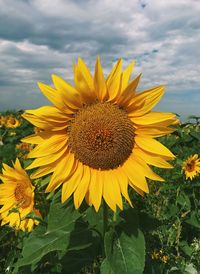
(169, 216)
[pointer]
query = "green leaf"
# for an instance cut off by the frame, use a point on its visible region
(184, 201)
(190, 269)
(74, 260)
(106, 267)
(125, 253)
(196, 135)
(194, 220)
(186, 248)
(94, 219)
(171, 211)
(81, 236)
(125, 247)
(41, 241)
(82, 250)
(147, 222)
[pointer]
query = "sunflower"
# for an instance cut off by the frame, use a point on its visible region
(12, 122)
(98, 138)
(2, 121)
(191, 166)
(158, 255)
(17, 198)
(24, 147)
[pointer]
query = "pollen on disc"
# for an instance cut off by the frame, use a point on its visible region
(101, 136)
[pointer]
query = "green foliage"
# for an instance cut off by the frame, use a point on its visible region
(124, 247)
(10, 137)
(55, 237)
(70, 241)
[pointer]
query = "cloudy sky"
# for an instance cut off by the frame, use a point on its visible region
(41, 37)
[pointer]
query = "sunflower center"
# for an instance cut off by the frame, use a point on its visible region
(23, 200)
(101, 136)
(190, 166)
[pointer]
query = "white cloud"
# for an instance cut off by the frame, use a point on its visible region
(43, 37)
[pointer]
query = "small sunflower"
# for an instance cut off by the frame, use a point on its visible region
(24, 147)
(158, 255)
(16, 198)
(12, 122)
(98, 138)
(191, 166)
(2, 121)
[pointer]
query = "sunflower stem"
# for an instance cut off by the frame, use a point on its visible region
(105, 225)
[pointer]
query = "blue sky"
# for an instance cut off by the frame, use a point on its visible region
(38, 38)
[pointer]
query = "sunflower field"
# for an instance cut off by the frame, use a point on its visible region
(91, 202)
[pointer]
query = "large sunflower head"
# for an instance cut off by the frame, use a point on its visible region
(191, 166)
(98, 137)
(16, 198)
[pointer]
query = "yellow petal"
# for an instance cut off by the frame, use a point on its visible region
(43, 161)
(153, 118)
(63, 170)
(6, 207)
(153, 146)
(123, 183)
(49, 113)
(54, 97)
(143, 102)
(139, 191)
(42, 171)
(68, 93)
(36, 138)
(71, 184)
(126, 76)
(86, 74)
(114, 80)
(17, 165)
(112, 72)
(96, 188)
(6, 179)
(153, 131)
(18, 168)
(146, 169)
(44, 124)
(152, 159)
(108, 197)
(128, 93)
(135, 174)
(82, 187)
(50, 146)
(10, 172)
(84, 81)
(99, 82)
(83, 85)
(88, 198)
(111, 191)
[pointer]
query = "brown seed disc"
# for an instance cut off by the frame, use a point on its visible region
(191, 166)
(22, 199)
(101, 136)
